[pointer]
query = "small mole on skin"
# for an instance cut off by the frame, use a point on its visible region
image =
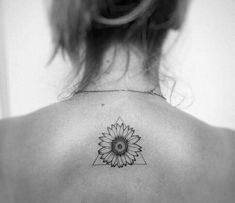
(102, 104)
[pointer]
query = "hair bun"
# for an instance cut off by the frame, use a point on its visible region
(116, 8)
(119, 12)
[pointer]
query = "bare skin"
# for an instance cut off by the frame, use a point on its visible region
(47, 156)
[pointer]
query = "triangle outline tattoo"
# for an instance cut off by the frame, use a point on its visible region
(119, 147)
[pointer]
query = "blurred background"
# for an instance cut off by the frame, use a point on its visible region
(201, 59)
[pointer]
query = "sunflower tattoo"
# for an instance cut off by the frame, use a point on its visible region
(118, 146)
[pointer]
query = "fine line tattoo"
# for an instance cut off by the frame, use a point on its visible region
(119, 147)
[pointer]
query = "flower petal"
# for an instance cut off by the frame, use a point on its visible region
(134, 139)
(111, 133)
(128, 159)
(104, 156)
(108, 136)
(131, 157)
(114, 129)
(130, 133)
(134, 145)
(133, 153)
(104, 150)
(105, 139)
(134, 148)
(114, 161)
(120, 164)
(123, 160)
(118, 129)
(105, 144)
(121, 130)
(110, 158)
(125, 131)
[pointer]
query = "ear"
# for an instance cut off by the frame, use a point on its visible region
(181, 13)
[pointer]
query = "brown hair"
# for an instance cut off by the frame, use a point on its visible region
(84, 29)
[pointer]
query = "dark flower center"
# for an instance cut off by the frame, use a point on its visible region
(119, 146)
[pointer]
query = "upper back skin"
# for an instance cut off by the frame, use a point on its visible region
(47, 156)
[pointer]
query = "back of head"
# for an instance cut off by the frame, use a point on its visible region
(84, 30)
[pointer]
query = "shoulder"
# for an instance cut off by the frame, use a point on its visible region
(14, 127)
(216, 149)
(17, 132)
(19, 138)
(27, 137)
(211, 147)
(210, 139)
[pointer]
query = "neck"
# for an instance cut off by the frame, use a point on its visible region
(121, 70)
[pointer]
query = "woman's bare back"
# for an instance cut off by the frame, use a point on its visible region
(51, 155)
